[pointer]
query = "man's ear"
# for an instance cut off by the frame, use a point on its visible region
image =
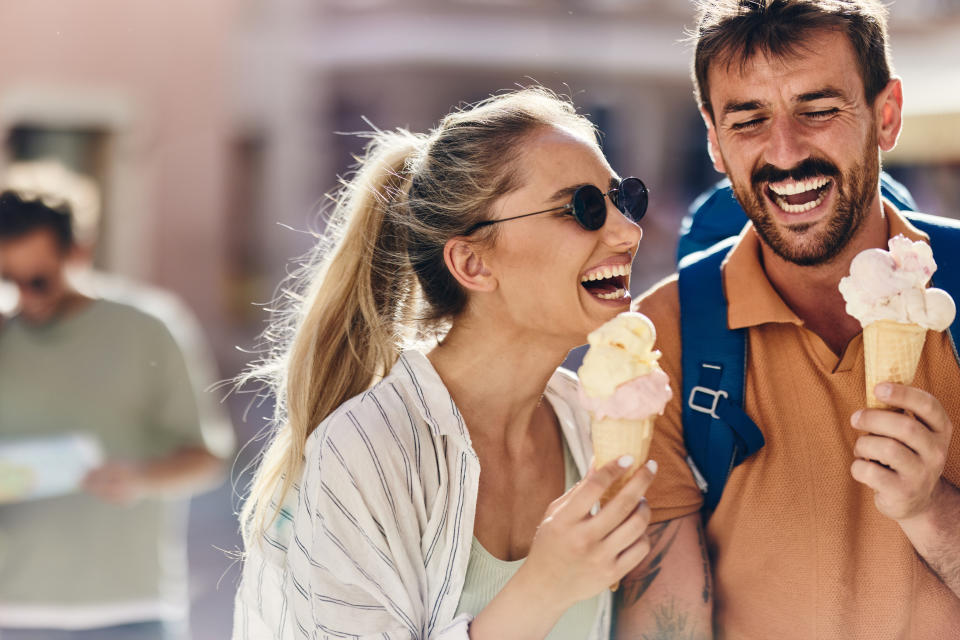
(713, 146)
(889, 114)
(465, 261)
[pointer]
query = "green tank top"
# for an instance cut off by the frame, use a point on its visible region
(486, 575)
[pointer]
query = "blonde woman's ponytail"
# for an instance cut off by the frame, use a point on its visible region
(347, 324)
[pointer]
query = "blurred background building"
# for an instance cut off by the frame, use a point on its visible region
(214, 128)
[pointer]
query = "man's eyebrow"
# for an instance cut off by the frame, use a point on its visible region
(746, 105)
(810, 96)
(820, 94)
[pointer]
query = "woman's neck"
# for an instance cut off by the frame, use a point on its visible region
(497, 380)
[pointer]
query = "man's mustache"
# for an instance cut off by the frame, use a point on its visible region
(809, 168)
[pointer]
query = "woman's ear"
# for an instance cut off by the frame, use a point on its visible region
(465, 261)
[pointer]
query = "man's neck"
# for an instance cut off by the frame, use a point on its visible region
(812, 292)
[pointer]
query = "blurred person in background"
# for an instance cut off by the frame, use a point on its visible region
(441, 488)
(49, 178)
(846, 522)
(100, 554)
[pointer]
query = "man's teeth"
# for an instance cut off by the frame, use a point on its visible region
(782, 190)
(799, 208)
(613, 295)
(791, 188)
(606, 272)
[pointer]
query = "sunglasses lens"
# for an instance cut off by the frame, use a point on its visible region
(589, 207)
(632, 198)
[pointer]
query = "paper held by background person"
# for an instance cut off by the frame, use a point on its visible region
(887, 293)
(36, 468)
(623, 388)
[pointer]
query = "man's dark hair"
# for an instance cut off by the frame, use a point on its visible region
(730, 32)
(20, 215)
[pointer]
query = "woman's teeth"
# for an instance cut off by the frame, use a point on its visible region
(613, 295)
(608, 282)
(603, 273)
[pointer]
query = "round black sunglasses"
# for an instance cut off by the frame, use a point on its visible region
(589, 209)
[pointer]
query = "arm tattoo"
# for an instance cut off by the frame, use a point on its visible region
(636, 583)
(673, 625)
(705, 558)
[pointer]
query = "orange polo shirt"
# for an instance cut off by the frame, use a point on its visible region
(799, 550)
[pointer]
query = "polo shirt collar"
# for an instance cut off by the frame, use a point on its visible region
(752, 300)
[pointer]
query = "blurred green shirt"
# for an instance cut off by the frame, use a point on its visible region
(116, 374)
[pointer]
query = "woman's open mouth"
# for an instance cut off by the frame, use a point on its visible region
(611, 282)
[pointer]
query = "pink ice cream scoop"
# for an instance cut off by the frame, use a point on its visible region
(891, 285)
(634, 399)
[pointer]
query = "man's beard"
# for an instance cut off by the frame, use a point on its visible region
(800, 243)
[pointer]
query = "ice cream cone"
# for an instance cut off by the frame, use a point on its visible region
(613, 438)
(891, 352)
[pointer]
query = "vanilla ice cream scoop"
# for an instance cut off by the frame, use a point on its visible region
(620, 376)
(620, 350)
(891, 285)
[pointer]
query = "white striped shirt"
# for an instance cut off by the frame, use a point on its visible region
(374, 542)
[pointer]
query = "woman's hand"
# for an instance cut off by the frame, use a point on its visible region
(575, 554)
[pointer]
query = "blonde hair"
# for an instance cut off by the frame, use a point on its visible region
(377, 280)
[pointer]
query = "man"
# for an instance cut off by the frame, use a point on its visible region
(846, 524)
(108, 560)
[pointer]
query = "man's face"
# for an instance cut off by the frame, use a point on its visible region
(36, 265)
(799, 143)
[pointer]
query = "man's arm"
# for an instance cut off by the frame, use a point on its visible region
(936, 535)
(670, 594)
(185, 471)
(901, 456)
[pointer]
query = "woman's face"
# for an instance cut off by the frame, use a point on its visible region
(554, 277)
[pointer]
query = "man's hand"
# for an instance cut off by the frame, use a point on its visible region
(180, 473)
(901, 455)
(116, 482)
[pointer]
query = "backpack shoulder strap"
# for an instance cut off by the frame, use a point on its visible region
(945, 242)
(717, 432)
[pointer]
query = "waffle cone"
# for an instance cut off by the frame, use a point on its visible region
(613, 438)
(891, 353)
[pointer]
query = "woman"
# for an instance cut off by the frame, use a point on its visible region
(388, 527)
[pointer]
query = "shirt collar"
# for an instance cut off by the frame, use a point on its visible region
(430, 396)
(752, 300)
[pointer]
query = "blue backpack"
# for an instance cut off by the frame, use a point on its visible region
(717, 432)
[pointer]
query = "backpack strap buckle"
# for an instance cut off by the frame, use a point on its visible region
(710, 410)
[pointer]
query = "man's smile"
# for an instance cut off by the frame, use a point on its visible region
(799, 197)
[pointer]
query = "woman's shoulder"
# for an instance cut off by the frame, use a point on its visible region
(373, 418)
(382, 430)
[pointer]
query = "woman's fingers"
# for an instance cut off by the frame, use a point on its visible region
(632, 556)
(625, 502)
(629, 531)
(579, 502)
